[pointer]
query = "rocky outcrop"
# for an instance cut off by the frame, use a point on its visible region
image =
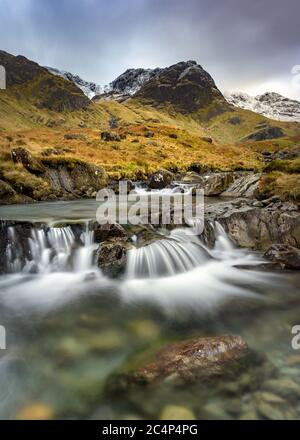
(192, 360)
(287, 256)
(265, 134)
(185, 85)
(49, 178)
(75, 177)
(244, 186)
(23, 156)
(160, 179)
(255, 227)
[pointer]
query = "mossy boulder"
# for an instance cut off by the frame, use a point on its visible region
(23, 156)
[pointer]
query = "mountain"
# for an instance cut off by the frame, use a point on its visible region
(128, 83)
(270, 104)
(186, 86)
(26, 79)
(90, 89)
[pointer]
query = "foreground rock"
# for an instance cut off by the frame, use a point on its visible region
(192, 360)
(112, 257)
(287, 256)
(160, 179)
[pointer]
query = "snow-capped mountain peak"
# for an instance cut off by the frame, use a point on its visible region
(90, 89)
(270, 104)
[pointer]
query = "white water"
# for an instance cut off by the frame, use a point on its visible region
(176, 272)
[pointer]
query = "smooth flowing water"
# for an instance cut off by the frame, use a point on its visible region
(70, 328)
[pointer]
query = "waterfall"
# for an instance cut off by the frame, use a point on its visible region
(168, 256)
(49, 249)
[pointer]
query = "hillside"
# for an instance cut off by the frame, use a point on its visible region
(178, 118)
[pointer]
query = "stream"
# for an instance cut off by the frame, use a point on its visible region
(70, 328)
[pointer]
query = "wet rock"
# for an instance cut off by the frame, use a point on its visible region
(35, 411)
(174, 412)
(284, 387)
(23, 156)
(287, 256)
(145, 330)
(217, 183)
(252, 227)
(115, 185)
(108, 136)
(192, 360)
(111, 257)
(160, 179)
(269, 412)
(109, 231)
(214, 411)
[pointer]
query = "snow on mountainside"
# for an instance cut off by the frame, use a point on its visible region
(128, 83)
(90, 89)
(270, 104)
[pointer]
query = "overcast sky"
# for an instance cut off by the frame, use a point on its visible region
(248, 45)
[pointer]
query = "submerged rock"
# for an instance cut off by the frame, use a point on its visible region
(35, 411)
(175, 412)
(287, 256)
(192, 360)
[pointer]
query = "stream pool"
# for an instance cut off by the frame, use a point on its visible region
(70, 329)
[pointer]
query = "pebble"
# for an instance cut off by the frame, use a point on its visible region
(35, 411)
(174, 412)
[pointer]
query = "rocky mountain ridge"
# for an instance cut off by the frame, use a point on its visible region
(270, 104)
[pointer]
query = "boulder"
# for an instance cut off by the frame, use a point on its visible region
(191, 360)
(287, 256)
(192, 177)
(244, 186)
(265, 134)
(217, 183)
(23, 156)
(108, 231)
(111, 257)
(108, 136)
(160, 179)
